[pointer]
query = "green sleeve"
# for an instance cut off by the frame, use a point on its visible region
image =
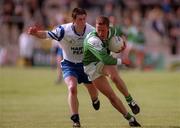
(119, 31)
(102, 54)
(116, 31)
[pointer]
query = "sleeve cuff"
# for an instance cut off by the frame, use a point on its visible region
(119, 61)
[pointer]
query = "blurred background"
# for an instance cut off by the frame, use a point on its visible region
(152, 28)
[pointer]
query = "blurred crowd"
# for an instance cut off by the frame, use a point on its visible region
(151, 27)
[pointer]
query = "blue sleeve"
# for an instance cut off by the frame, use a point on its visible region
(57, 33)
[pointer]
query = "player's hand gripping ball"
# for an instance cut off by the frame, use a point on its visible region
(117, 44)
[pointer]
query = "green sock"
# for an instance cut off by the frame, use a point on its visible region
(128, 98)
(128, 116)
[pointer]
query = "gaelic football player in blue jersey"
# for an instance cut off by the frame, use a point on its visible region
(71, 37)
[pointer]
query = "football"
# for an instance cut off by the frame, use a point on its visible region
(116, 44)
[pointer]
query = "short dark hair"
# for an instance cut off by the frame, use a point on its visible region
(78, 11)
(102, 20)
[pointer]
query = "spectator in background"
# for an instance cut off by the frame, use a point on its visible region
(173, 29)
(3, 56)
(157, 23)
(154, 31)
(7, 21)
(136, 40)
(32, 13)
(9, 30)
(19, 16)
(57, 57)
(108, 8)
(26, 48)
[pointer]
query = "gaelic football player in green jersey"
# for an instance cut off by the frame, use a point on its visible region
(98, 63)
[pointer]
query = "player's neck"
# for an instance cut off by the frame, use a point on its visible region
(79, 29)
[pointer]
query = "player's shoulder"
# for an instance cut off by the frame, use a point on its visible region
(95, 42)
(66, 26)
(89, 27)
(93, 39)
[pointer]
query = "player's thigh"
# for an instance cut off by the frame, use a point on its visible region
(103, 86)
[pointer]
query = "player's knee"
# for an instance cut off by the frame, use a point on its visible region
(72, 89)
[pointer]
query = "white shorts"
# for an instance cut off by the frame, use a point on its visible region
(94, 70)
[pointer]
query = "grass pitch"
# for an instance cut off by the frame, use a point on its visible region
(30, 99)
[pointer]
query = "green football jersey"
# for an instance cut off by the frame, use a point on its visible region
(96, 50)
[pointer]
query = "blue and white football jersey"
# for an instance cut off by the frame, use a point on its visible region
(71, 42)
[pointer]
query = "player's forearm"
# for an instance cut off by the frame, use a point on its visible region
(109, 61)
(41, 34)
(105, 58)
(37, 33)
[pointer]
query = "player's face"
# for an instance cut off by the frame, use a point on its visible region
(80, 20)
(102, 31)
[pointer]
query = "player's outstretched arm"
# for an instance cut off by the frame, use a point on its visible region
(37, 32)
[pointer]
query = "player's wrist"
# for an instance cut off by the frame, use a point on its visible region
(119, 61)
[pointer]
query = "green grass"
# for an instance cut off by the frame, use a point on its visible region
(30, 99)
